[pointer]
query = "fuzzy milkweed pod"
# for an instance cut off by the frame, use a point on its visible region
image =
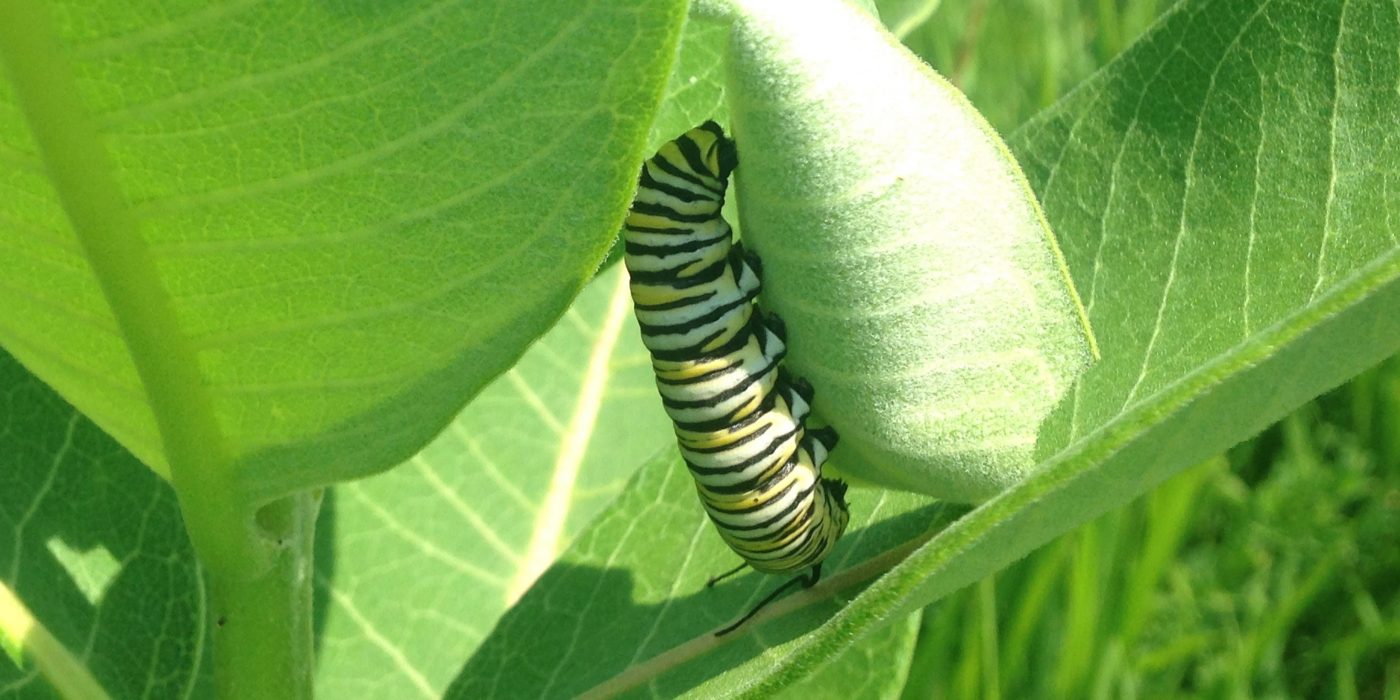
(923, 291)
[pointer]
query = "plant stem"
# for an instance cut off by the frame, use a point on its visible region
(27, 641)
(262, 620)
(258, 561)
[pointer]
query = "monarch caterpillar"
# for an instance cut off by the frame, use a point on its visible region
(739, 419)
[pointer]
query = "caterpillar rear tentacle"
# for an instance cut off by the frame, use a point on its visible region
(806, 581)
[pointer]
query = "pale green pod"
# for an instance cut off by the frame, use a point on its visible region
(924, 295)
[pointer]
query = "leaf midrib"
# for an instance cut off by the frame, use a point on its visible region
(552, 515)
(83, 175)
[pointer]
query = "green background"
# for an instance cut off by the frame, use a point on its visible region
(1267, 570)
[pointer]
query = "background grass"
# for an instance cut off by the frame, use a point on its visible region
(1269, 571)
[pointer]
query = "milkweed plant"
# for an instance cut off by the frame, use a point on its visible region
(320, 371)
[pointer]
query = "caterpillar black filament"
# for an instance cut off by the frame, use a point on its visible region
(739, 419)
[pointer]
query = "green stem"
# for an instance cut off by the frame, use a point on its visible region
(258, 561)
(262, 623)
(26, 640)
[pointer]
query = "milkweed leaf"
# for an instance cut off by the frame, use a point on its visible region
(415, 565)
(924, 295)
(355, 226)
(1224, 197)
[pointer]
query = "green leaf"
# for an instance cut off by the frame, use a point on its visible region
(1225, 198)
(633, 586)
(904, 16)
(415, 565)
(268, 248)
(504, 452)
(94, 551)
(922, 291)
(877, 667)
(354, 215)
(695, 90)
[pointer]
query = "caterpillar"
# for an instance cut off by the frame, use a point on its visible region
(738, 417)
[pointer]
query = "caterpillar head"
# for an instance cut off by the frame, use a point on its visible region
(722, 156)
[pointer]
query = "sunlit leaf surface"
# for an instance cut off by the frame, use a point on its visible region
(358, 213)
(1225, 197)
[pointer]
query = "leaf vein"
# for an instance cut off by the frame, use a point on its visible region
(1188, 185)
(1328, 225)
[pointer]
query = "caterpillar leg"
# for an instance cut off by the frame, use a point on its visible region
(774, 324)
(796, 393)
(771, 342)
(750, 258)
(825, 436)
(837, 488)
(805, 581)
(800, 386)
(748, 271)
